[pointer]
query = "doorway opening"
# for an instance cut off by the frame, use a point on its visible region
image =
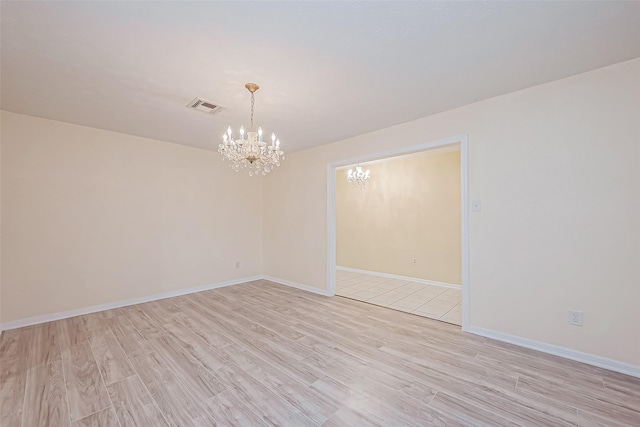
(401, 240)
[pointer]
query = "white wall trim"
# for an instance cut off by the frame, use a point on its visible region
(109, 306)
(395, 276)
(463, 140)
(590, 359)
(297, 285)
(464, 206)
(567, 353)
(29, 321)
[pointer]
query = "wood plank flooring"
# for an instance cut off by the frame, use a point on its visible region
(261, 354)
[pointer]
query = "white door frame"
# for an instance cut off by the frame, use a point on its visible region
(331, 209)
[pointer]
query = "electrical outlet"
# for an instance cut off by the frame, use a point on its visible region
(476, 205)
(237, 264)
(575, 317)
(414, 260)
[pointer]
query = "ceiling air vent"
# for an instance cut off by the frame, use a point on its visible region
(204, 106)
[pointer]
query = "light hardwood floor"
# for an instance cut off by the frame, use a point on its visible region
(262, 354)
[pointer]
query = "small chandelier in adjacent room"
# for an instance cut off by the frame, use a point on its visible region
(250, 151)
(358, 177)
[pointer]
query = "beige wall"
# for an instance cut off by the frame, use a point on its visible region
(91, 217)
(557, 169)
(409, 210)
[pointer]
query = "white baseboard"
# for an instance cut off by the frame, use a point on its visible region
(590, 359)
(297, 285)
(567, 353)
(109, 306)
(395, 276)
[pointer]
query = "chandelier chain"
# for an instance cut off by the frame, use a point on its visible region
(253, 101)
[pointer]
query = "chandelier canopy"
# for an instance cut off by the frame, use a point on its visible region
(250, 151)
(358, 177)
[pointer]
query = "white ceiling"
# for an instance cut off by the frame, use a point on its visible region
(327, 70)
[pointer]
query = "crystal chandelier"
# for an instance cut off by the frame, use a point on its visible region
(358, 178)
(251, 151)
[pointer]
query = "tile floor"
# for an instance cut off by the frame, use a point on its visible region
(435, 302)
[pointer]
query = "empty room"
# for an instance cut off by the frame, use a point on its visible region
(398, 233)
(317, 213)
